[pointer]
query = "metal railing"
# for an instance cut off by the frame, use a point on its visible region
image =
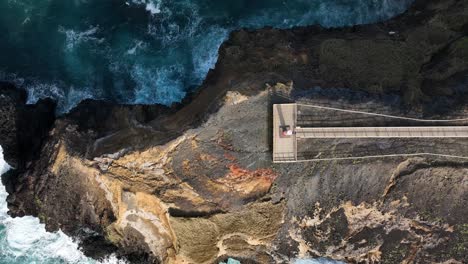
(436, 148)
(284, 157)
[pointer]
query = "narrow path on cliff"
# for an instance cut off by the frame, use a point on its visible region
(285, 150)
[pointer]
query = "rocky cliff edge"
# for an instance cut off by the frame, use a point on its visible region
(194, 183)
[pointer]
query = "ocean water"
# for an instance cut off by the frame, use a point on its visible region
(144, 51)
(132, 51)
(25, 241)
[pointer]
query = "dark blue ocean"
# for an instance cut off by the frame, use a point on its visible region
(132, 51)
(144, 51)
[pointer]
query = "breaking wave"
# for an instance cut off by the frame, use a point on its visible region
(145, 51)
(24, 240)
(131, 51)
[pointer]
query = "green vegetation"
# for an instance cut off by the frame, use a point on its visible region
(37, 202)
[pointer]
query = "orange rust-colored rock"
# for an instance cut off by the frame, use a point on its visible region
(248, 181)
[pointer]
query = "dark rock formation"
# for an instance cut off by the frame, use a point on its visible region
(23, 127)
(195, 182)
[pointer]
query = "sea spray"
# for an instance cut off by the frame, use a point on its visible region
(24, 240)
(145, 51)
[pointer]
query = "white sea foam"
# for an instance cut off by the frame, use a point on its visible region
(205, 52)
(24, 240)
(3, 165)
(76, 95)
(327, 13)
(137, 46)
(152, 6)
(75, 37)
(66, 98)
(158, 85)
(40, 90)
(179, 23)
(184, 32)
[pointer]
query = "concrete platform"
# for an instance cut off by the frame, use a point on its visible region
(285, 146)
(383, 132)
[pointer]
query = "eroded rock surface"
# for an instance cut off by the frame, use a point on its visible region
(23, 127)
(195, 183)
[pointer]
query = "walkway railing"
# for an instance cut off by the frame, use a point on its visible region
(297, 154)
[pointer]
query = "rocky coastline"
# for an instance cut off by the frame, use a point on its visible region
(194, 183)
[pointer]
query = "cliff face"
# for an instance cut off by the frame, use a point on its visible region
(195, 183)
(22, 127)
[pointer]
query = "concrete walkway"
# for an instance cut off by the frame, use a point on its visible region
(383, 132)
(285, 147)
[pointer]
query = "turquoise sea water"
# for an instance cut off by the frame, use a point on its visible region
(144, 51)
(131, 51)
(25, 241)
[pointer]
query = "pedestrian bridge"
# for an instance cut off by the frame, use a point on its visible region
(286, 133)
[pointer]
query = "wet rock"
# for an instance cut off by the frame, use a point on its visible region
(194, 183)
(23, 127)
